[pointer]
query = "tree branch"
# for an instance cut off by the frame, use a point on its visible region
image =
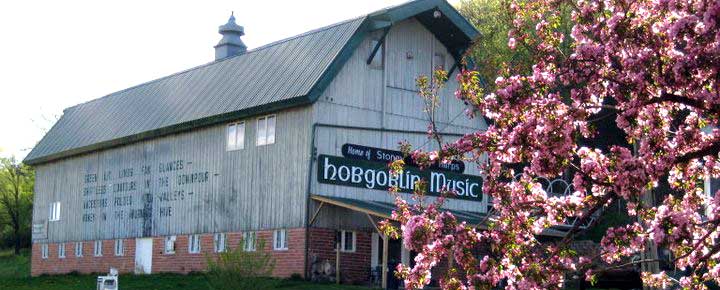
(673, 98)
(712, 149)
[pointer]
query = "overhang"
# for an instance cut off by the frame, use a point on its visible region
(384, 209)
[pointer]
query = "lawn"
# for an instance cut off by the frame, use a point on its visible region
(15, 274)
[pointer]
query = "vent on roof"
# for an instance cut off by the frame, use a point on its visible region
(230, 44)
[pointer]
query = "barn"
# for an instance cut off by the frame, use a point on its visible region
(287, 143)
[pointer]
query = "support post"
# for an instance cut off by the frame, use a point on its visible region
(647, 199)
(337, 265)
(315, 215)
(651, 252)
(385, 262)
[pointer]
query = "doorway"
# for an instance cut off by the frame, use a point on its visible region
(394, 258)
(143, 255)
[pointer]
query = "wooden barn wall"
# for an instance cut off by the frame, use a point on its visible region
(355, 98)
(180, 184)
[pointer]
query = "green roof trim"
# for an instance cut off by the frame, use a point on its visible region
(280, 75)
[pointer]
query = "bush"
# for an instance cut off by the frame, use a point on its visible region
(238, 269)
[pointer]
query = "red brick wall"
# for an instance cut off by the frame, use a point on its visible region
(88, 263)
(292, 260)
(286, 262)
(354, 267)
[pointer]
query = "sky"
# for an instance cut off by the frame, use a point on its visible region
(56, 54)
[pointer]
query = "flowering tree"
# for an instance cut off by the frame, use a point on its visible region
(655, 65)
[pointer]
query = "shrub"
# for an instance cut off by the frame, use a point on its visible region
(239, 269)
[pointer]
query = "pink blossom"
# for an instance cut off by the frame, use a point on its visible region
(652, 67)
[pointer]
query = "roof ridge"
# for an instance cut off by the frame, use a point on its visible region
(259, 48)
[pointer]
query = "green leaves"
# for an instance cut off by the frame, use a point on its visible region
(240, 269)
(16, 195)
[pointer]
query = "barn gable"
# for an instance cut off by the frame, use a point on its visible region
(287, 73)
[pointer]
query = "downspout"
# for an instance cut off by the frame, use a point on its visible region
(384, 76)
(308, 201)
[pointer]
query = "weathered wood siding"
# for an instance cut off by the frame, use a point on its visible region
(123, 193)
(355, 98)
(201, 188)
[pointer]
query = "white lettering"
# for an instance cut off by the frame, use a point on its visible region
(460, 188)
(340, 173)
(356, 174)
(327, 167)
(471, 190)
(394, 180)
(384, 176)
(437, 181)
(370, 178)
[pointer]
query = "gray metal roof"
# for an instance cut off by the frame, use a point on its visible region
(279, 75)
(273, 73)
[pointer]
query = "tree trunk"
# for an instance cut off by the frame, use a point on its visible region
(16, 232)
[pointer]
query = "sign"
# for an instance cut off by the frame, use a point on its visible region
(360, 152)
(142, 193)
(374, 175)
(39, 230)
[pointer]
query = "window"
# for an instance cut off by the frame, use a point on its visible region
(170, 244)
(280, 240)
(438, 61)
(346, 240)
(55, 211)
(249, 241)
(78, 249)
(194, 244)
(61, 251)
(44, 251)
(266, 130)
(119, 249)
(377, 60)
(219, 242)
(98, 248)
(236, 136)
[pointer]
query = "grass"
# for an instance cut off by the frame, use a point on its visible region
(12, 266)
(15, 274)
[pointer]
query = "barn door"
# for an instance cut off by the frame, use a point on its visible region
(143, 256)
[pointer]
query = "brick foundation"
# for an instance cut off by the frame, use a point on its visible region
(88, 263)
(354, 266)
(287, 262)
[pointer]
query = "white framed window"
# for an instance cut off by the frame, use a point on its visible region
(249, 241)
(346, 240)
(55, 211)
(119, 248)
(78, 249)
(98, 248)
(280, 240)
(44, 251)
(61, 251)
(219, 242)
(194, 244)
(377, 60)
(266, 130)
(235, 136)
(170, 244)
